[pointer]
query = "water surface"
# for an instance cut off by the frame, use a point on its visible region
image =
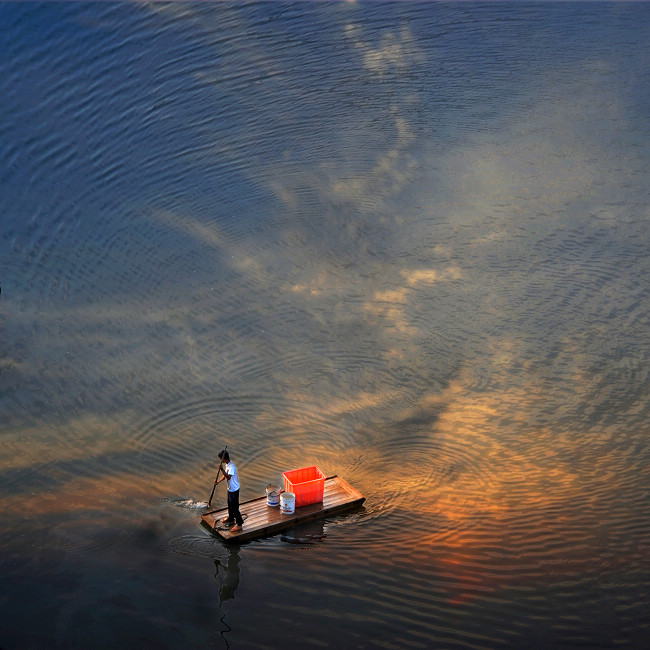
(404, 242)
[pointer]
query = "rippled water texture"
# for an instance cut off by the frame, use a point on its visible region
(407, 243)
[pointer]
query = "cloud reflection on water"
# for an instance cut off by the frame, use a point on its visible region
(435, 351)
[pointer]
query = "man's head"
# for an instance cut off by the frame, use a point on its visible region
(224, 455)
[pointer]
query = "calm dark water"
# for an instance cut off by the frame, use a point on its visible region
(407, 243)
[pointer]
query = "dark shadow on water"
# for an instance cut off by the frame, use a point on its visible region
(227, 571)
(306, 534)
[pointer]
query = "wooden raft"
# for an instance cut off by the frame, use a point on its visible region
(261, 519)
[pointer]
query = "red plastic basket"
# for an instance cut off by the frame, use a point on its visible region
(307, 483)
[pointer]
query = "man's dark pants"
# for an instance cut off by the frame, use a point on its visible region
(233, 507)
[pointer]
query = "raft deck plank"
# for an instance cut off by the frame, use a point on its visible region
(262, 519)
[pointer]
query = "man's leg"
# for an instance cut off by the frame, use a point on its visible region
(231, 506)
(235, 508)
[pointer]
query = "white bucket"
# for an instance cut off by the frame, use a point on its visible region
(273, 495)
(287, 503)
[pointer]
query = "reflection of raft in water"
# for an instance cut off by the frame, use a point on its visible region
(260, 519)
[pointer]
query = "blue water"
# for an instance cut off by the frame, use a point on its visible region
(404, 242)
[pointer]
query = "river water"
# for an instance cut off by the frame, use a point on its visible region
(407, 243)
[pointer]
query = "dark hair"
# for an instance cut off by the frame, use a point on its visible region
(224, 455)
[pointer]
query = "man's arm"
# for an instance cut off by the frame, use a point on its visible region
(225, 475)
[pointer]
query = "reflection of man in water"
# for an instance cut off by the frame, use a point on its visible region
(231, 579)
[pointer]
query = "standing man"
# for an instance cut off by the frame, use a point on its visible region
(230, 474)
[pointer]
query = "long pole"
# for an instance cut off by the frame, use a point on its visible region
(215, 480)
